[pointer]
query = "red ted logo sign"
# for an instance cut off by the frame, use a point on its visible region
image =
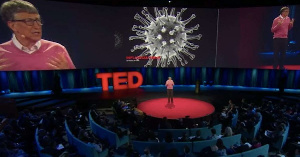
(121, 80)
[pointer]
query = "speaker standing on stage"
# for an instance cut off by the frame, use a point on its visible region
(169, 85)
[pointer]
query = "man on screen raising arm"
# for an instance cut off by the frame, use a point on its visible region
(280, 27)
(169, 85)
(26, 50)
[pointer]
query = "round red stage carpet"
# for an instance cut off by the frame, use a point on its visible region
(180, 108)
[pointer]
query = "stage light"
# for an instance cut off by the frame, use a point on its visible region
(292, 46)
(7, 91)
(204, 83)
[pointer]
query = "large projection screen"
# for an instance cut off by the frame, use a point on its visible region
(97, 36)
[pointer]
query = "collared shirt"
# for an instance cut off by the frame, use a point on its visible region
(35, 47)
(169, 84)
(281, 30)
(282, 17)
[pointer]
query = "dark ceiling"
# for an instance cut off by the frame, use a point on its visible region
(189, 3)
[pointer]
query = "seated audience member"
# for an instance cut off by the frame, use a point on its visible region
(244, 104)
(171, 153)
(27, 50)
(165, 124)
(250, 124)
(293, 151)
(187, 152)
(50, 147)
(183, 138)
(272, 136)
(215, 119)
(268, 107)
(251, 111)
(146, 153)
(228, 132)
(97, 146)
(84, 136)
(145, 134)
(214, 135)
(130, 152)
(210, 151)
(137, 112)
(197, 137)
(226, 117)
(187, 122)
(255, 143)
(245, 146)
(114, 128)
(230, 106)
(94, 113)
(221, 148)
(169, 137)
(4, 151)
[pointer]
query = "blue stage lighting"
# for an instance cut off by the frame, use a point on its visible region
(7, 91)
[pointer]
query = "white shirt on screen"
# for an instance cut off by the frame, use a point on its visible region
(35, 47)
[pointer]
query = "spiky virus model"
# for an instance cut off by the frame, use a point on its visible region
(165, 37)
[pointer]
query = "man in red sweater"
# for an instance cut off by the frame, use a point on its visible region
(169, 84)
(280, 27)
(26, 50)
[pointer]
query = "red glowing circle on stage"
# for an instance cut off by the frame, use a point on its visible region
(180, 108)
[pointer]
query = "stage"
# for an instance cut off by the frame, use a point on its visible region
(179, 108)
(215, 95)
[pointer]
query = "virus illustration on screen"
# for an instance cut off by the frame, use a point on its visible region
(166, 37)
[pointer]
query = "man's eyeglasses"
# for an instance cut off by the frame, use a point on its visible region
(30, 22)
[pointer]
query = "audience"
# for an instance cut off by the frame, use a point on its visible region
(17, 135)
